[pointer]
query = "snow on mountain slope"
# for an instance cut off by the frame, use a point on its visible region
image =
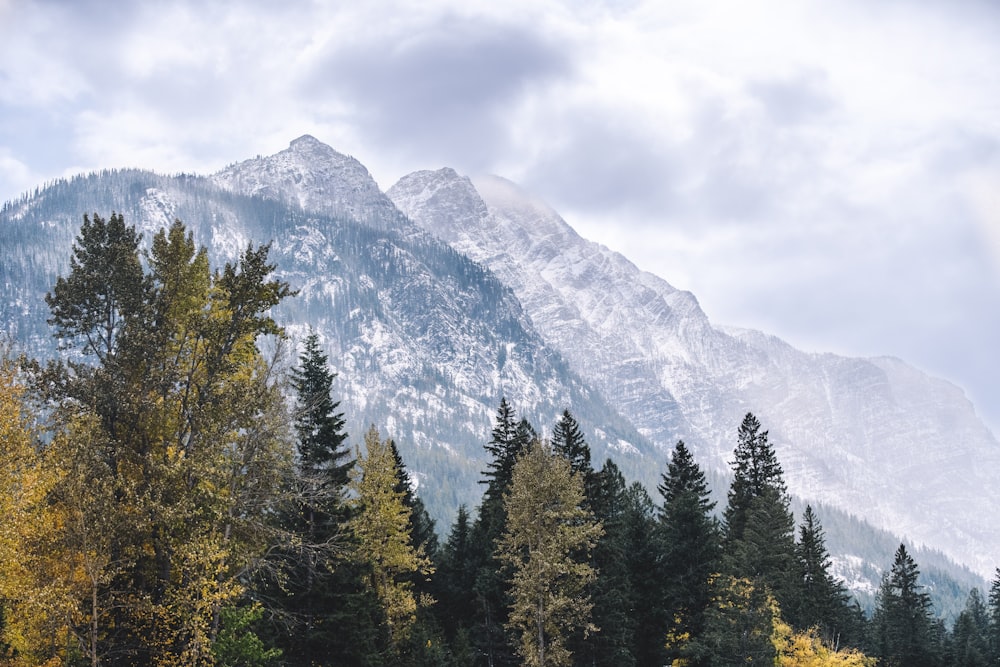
(424, 340)
(871, 436)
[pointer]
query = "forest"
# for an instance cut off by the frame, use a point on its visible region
(173, 493)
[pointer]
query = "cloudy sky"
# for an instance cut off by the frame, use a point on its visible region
(826, 171)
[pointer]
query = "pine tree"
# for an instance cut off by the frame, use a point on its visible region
(823, 602)
(994, 619)
(756, 473)
(547, 542)
(642, 551)
(318, 424)
(311, 584)
(612, 593)
(456, 576)
(690, 539)
(568, 442)
(509, 439)
(969, 646)
(759, 526)
(422, 533)
(903, 622)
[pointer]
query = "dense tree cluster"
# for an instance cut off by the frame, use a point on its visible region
(171, 497)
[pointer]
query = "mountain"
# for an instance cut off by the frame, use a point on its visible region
(439, 297)
(871, 436)
(425, 341)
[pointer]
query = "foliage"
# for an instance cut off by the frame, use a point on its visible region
(380, 524)
(547, 540)
(903, 622)
(690, 536)
(806, 649)
(169, 443)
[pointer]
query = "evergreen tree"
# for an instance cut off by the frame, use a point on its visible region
(690, 539)
(759, 526)
(547, 540)
(756, 473)
(904, 626)
(422, 533)
(568, 441)
(311, 586)
(642, 552)
(994, 619)
(509, 439)
(739, 625)
(823, 602)
(612, 592)
(318, 424)
(969, 646)
(456, 576)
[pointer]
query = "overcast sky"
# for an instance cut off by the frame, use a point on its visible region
(825, 171)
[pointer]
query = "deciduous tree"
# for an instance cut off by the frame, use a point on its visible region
(547, 542)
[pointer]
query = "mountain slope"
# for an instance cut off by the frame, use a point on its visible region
(425, 341)
(871, 436)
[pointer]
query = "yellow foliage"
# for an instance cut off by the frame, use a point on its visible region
(805, 649)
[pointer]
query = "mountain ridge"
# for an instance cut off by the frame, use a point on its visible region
(848, 430)
(427, 336)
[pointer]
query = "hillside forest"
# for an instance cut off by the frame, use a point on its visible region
(178, 489)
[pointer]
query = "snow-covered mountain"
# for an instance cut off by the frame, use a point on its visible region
(425, 341)
(434, 303)
(874, 437)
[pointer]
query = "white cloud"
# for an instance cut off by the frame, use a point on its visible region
(815, 168)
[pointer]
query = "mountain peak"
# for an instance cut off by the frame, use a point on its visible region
(306, 140)
(312, 175)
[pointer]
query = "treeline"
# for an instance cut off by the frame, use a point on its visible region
(170, 496)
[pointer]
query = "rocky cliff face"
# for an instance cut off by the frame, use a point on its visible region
(870, 436)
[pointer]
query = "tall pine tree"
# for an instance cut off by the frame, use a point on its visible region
(823, 600)
(759, 526)
(903, 622)
(690, 539)
(510, 438)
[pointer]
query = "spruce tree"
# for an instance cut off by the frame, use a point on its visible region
(903, 623)
(613, 592)
(759, 526)
(509, 439)
(823, 600)
(568, 441)
(993, 612)
(318, 424)
(690, 539)
(969, 645)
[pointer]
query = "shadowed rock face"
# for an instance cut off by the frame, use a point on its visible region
(874, 437)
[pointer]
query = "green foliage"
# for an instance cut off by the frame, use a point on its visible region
(823, 600)
(237, 645)
(177, 419)
(318, 425)
(903, 624)
(690, 537)
(759, 526)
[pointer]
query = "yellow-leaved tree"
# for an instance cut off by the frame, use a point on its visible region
(380, 524)
(547, 543)
(170, 441)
